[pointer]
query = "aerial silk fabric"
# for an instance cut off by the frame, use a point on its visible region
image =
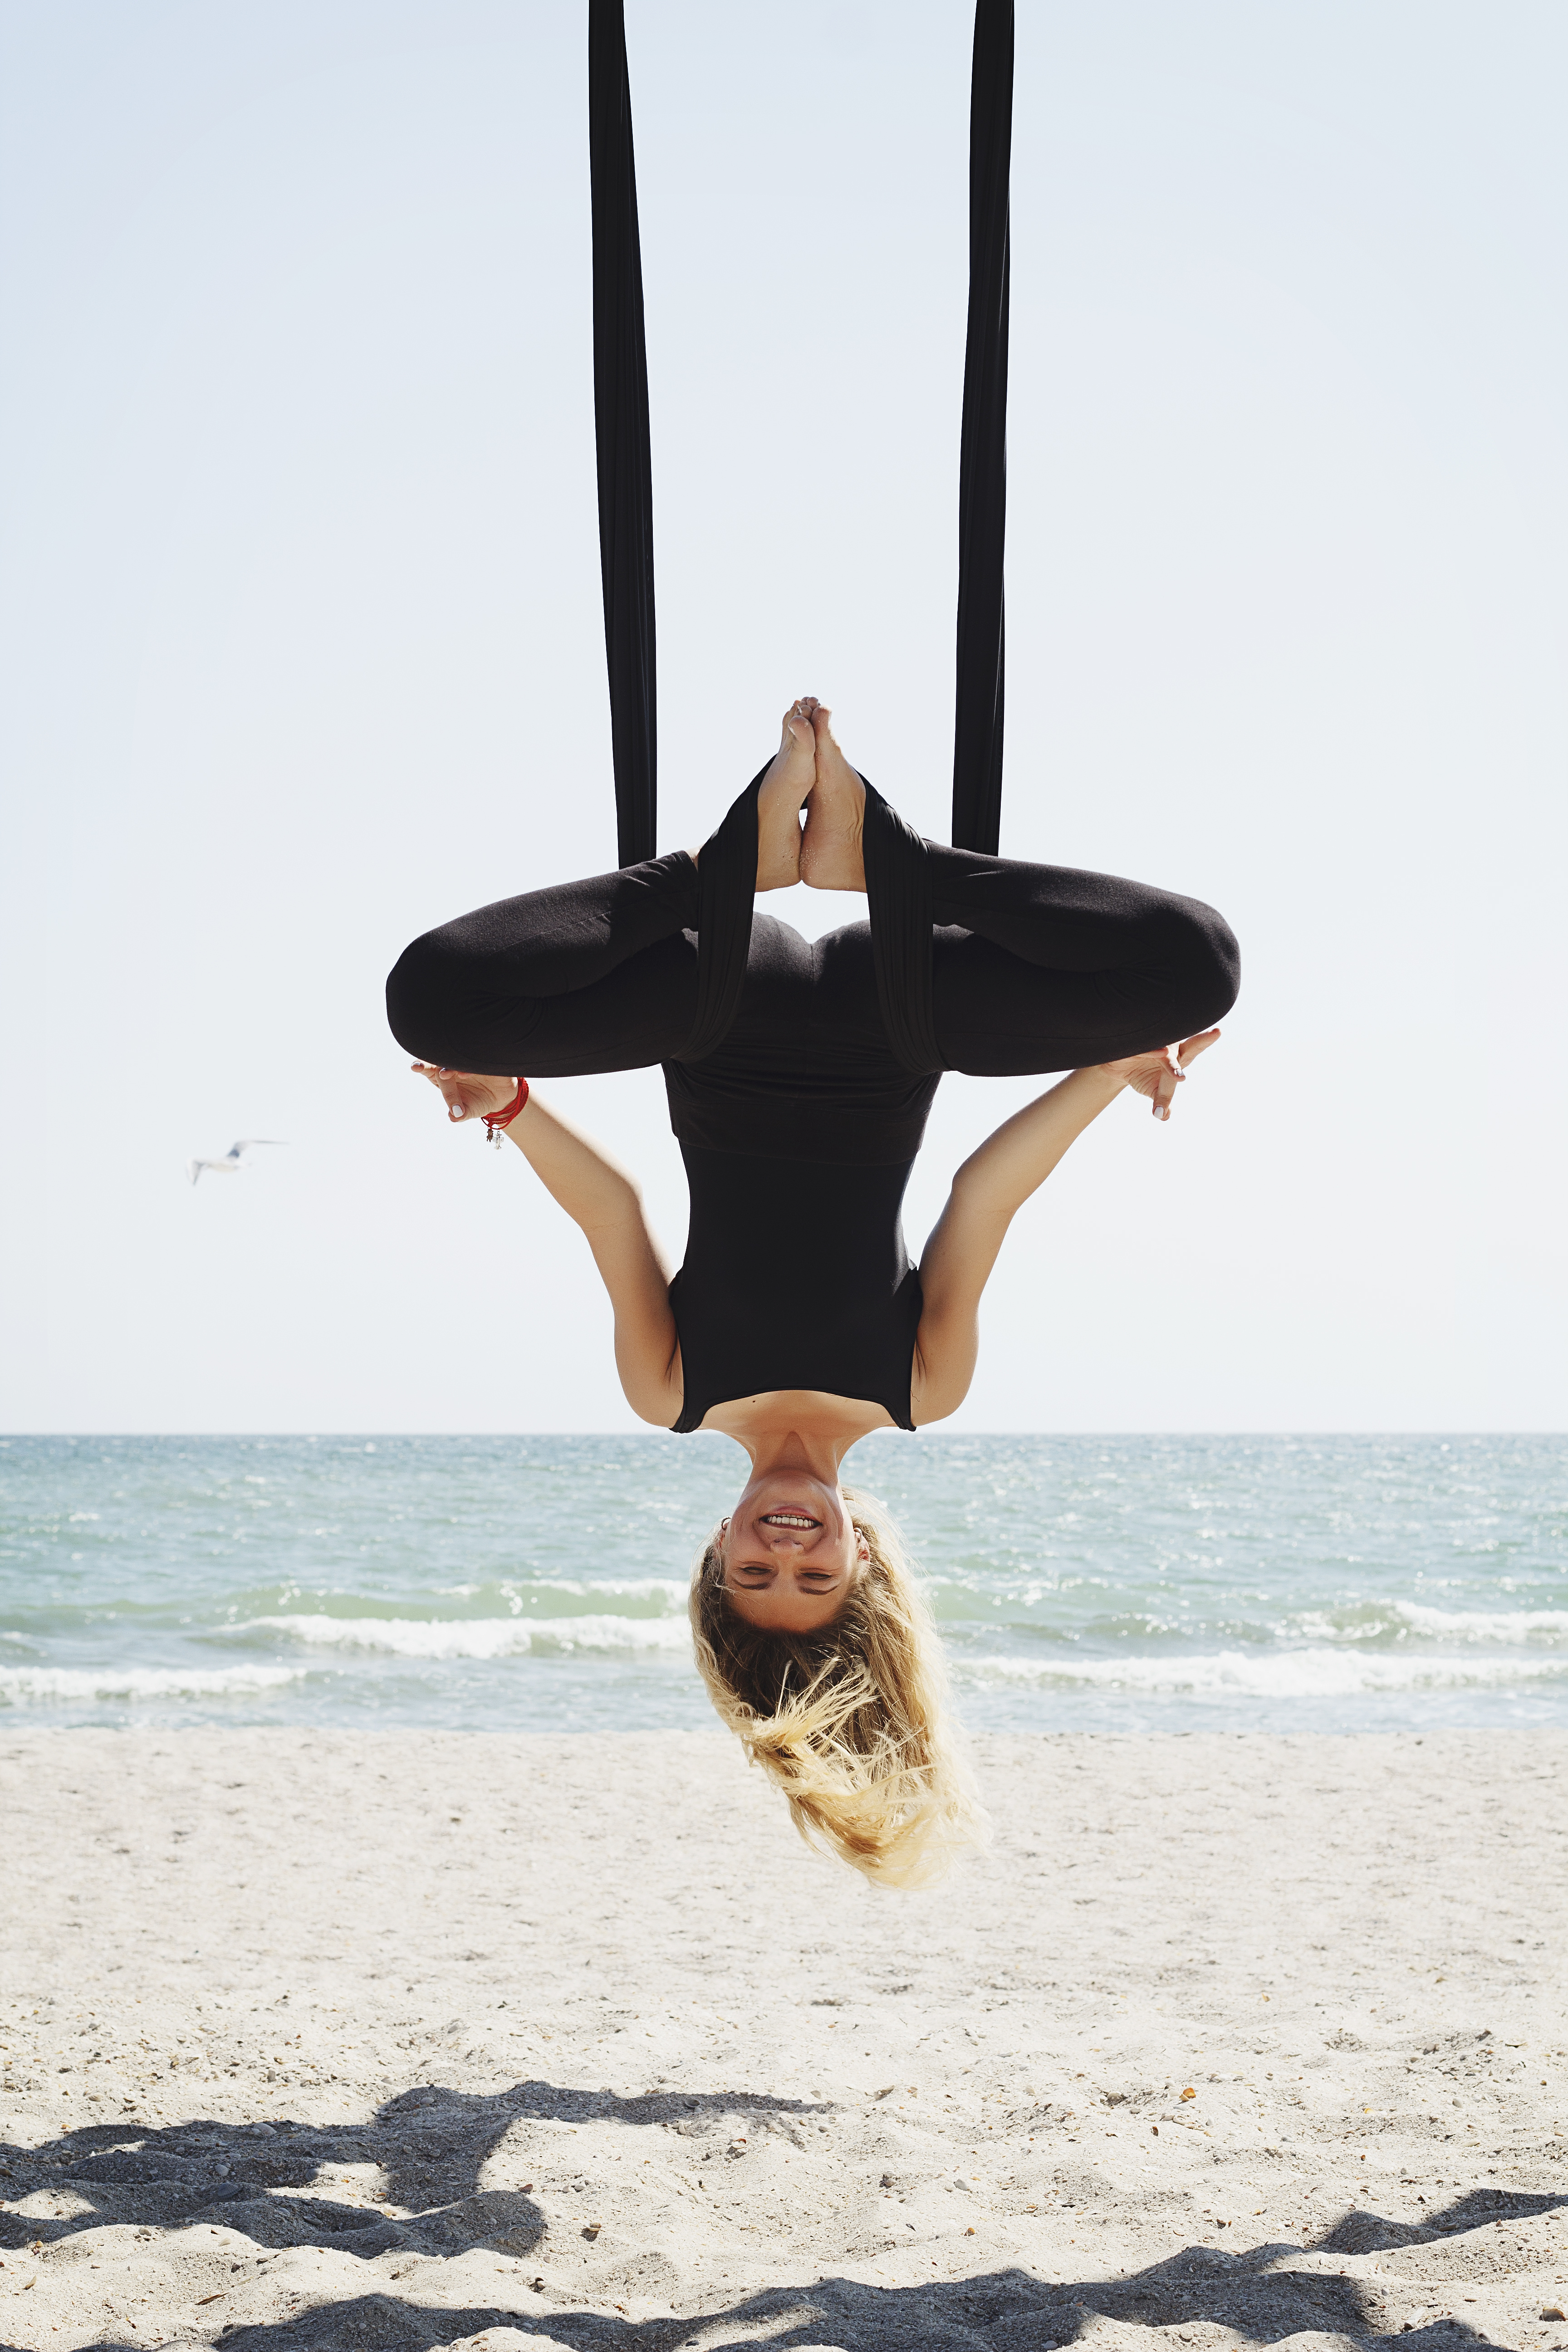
(621, 430)
(625, 470)
(982, 457)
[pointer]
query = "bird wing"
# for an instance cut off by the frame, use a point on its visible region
(247, 1143)
(193, 1169)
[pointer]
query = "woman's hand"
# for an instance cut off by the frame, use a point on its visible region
(465, 1094)
(1160, 1073)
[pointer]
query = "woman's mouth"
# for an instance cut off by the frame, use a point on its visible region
(789, 1520)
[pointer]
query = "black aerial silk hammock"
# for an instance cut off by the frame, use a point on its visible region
(620, 420)
(625, 472)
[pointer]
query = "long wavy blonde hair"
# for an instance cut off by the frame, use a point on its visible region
(851, 1722)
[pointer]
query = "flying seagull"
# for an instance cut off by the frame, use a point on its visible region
(232, 1160)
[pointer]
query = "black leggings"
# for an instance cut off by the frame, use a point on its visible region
(1010, 969)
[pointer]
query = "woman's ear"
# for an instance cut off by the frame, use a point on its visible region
(862, 1549)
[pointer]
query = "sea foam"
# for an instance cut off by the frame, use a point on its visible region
(41, 1683)
(1279, 1673)
(479, 1637)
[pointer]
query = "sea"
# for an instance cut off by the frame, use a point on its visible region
(1111, 1584)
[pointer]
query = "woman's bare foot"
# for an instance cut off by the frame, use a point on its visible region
(830, 848)
(781, 797)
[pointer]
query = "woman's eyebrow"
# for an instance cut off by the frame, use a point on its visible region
(771, 1567)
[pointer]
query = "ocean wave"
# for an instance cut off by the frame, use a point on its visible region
(21, 1684)
(670, 1589)
(479, 1637)
(1485, 1624)
(518, 1592)
(673, 1589)
(1397, 1621)
(1279, 1673)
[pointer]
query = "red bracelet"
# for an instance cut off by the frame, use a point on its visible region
(503, 1117)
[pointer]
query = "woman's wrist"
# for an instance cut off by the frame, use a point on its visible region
(496, 1119)
(1106, 1080)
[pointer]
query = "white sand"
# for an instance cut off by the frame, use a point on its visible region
(321, 2039)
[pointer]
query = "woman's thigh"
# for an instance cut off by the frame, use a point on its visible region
(638, 1015)
(999, 1016)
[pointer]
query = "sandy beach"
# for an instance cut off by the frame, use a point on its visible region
(323, 2038)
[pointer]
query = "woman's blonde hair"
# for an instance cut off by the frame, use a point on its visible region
(851, 1721)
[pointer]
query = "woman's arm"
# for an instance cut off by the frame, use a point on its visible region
(987, 1194)
(604, 1202)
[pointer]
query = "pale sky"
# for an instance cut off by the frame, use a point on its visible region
(304, 653)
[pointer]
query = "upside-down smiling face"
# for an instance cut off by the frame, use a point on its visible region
(790, 1553)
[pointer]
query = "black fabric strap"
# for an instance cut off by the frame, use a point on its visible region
(620, 418)
(982, 459)
(727, 885)
(899, 893)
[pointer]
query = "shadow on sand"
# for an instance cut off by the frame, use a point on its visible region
(432, 2145)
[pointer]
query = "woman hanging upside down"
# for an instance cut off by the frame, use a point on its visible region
(800, 1077)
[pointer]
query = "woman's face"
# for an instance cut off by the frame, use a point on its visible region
(790, 1553)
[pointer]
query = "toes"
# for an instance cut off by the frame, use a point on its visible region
(798, 742)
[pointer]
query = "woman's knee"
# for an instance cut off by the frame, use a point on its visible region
(422, 995)
(1210, 964)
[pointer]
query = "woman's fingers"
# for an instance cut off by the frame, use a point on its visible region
(1174, 1071)
(1171, 1070)
(450, 1087)
(1193, 1046)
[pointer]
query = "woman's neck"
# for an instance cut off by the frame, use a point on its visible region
(822, 1427)
(817, 1452)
